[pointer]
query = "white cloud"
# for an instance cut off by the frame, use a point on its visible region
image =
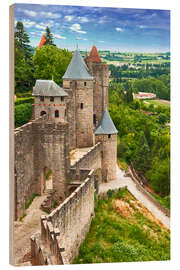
(102, 41)
(50, 15)
(38, 26)
(142, 26)
(30, 13)
(77, 28)
(69, 18)
(59, 36)
(28, 23)
(83, 19)
(119, 29)
(79, 38)
(44, 25)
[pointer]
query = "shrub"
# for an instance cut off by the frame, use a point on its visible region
(23, 113)
(19, 101)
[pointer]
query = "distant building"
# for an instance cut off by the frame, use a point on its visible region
(144, 95)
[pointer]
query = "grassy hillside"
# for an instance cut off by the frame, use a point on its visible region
(123, 231)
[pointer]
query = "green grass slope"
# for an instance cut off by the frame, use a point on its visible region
(124, 231)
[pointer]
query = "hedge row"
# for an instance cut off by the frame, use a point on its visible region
(23, 114)
(19, 101)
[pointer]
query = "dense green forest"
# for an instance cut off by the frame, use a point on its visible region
(144, 138)
(153, 80)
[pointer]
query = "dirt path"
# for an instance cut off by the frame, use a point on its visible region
(24, 229)
(122, 181)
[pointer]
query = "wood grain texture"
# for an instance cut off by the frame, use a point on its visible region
(11, 134)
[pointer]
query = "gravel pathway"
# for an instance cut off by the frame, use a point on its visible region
(24, 229)
(122, 181)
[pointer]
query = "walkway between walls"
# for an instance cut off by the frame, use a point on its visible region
(24, 229)
(122, 181)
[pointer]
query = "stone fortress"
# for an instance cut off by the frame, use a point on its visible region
(66, 120)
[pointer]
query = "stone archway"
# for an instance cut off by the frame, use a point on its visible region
(46, 180)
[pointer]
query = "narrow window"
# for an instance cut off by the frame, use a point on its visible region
(41, 98)
(51, 99)
(62, 98)
(56, 113)
(65, 112)
(85, 84)
(42, 113)
(81, 106)
(109, 136)
(94, 119)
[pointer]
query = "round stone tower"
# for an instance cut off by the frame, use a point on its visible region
(100, 72)
(106, 133)
(78, 83)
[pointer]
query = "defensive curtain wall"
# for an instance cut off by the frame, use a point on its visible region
(40, 145)
(65, 228)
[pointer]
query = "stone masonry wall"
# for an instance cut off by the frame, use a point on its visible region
(109, 156)
(100, 90)
(84, 114)
(65, 228)
(92, 159)
(40, 145)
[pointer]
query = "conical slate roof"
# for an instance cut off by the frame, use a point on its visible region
(106, 125)
(77, 69)
(48, 88)
(43, 40)
(94, 55)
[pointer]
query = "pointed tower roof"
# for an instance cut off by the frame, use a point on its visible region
(77, 69)
(94, 55)
(106, 125)
(43, 40)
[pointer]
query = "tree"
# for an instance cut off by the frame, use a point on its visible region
(162, 118)
(142, 157)
(49, 37)
(51, 61)
(24, 79)
(22, 39)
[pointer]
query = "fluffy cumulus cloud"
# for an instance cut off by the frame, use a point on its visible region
(50, 15)
(44, 25)
(69, 18)
(77, 28)
(83, 19)
(28, 23)
(30, 13)
(119, 29)
(59, 36)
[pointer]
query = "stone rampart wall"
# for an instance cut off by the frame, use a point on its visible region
(92, 159)
(39, 145)
(65, 228)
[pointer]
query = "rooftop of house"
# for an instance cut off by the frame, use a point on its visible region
(106, 125)
(77, 69)
(42, 42)
(94, 55)
(48, 88)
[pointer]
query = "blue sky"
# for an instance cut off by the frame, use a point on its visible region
(115, 29)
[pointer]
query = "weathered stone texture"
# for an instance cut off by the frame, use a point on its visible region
(100, 72)
(40, 145)
(50, 107)
(66, 227)
(109, 156)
